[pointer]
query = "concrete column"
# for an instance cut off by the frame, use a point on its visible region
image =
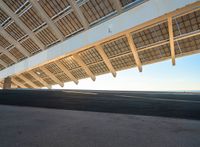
(7, 83)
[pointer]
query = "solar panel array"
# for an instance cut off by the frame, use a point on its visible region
(60, 12)
(151, 41)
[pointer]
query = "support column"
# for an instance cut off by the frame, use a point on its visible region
(7, 83)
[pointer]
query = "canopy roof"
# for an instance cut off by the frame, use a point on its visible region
(29, 27)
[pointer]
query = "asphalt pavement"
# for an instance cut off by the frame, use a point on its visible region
(41, 127)
(165, 104)
(78, 118)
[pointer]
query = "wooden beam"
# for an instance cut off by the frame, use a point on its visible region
(14, 42)
(134, 51)
(106, 60)
(1, 85)
(7, 84)
(118, 6)
(44, 16)
(79, 14)
(16, 19)
(84, 66)
(3, 63)
(10, 56)
(171, 39)
(61, 14)
(28, 81)
(66, 71)
(164, 42)
(38, 78)
(52, 76)
(18, 83)
(7, 53)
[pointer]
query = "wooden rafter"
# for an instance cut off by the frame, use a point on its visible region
(38, 78)
(171, 39)
(7, 53)
(52, 76)
(134, 51)
(164, 42)
(106, 60)
(1, 85)
(118, 6)
(79, 14)
(18, 83)
(3, 63)
(28, 81)
(10, 13)
(66, 71)
(84, 66)
(46, 18)
(14, 42)
(61, 15)
(164, 18)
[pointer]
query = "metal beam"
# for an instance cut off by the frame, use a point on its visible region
(79, 14)
(14, 42)
(106, 60)
(84, 66)
(28, 81)
(134, 51)
(38, 78)
(52, 76)
(66, 71)
(171, 39)
(18, 83)
(44, 16)
(16, 19)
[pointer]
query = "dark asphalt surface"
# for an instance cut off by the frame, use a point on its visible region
(176, 105)
(41, 127)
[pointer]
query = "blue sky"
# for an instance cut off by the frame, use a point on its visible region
(159, 76)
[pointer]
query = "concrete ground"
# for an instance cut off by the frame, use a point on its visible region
(39, 127)
(77, 118)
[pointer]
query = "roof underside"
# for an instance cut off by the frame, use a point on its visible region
(30, 32)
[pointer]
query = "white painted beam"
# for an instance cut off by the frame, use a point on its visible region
(131, 21)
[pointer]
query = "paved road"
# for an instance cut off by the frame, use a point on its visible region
(176, 105)
(40, 127)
